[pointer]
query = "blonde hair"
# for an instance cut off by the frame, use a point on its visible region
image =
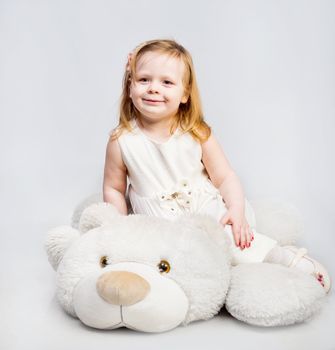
(189, 116)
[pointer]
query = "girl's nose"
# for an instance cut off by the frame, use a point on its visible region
(153, 87)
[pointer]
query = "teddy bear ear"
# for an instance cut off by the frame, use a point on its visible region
(57, 242)
(96, 215)
(78, 211)
(278, 219)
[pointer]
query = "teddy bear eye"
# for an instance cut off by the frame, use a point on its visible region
(103, 261)
(164, 266)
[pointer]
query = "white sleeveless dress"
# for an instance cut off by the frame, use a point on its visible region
(167, 179)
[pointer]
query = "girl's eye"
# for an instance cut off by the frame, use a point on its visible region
(144, 80)
(167, 82)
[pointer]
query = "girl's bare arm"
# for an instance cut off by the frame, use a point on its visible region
(225, 179)
(221, 173)
(115, 177)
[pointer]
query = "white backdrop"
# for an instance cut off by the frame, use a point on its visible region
(266, 72)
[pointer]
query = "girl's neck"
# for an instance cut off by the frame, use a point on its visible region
(158, 128)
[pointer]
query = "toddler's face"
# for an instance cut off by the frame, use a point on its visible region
(157, 88)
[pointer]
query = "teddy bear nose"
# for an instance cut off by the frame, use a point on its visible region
(122, 287)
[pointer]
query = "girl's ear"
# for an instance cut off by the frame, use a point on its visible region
(186, 96)
(184, 99)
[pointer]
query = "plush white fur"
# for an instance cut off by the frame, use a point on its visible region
(279, 220)
(196, 248)
(97, 215)
(94, 198)
(266, 294)
(86, 202)
(200, 280)
(57, 242)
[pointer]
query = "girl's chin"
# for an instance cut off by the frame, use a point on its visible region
(151, 117)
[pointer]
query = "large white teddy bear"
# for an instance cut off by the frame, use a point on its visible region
(151, 274)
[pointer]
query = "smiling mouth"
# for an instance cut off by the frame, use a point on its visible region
(154, 101)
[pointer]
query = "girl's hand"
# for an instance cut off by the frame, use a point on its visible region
(240, 227)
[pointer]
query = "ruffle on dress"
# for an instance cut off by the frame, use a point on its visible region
(185, 196)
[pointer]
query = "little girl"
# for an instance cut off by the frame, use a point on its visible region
(173, 161)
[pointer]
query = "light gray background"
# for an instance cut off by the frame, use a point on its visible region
(266, 72)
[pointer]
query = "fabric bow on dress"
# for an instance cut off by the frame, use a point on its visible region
(178, 198)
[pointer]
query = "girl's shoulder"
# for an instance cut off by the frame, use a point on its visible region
(119, 131)
(115, 132)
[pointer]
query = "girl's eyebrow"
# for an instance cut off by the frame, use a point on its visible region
(162, 76)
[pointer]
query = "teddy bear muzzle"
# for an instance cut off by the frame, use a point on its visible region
(122, 287)
(132, 295)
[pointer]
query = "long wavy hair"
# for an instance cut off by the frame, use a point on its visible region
(189, 116)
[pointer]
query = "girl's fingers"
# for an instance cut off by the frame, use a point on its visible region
(246, 232)
(237, 235)
(243, 238)
(237, 240)
(247, 237)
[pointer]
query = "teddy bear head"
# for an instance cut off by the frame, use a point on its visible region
(144, 273)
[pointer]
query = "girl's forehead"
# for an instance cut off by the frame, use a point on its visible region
(160, 61)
